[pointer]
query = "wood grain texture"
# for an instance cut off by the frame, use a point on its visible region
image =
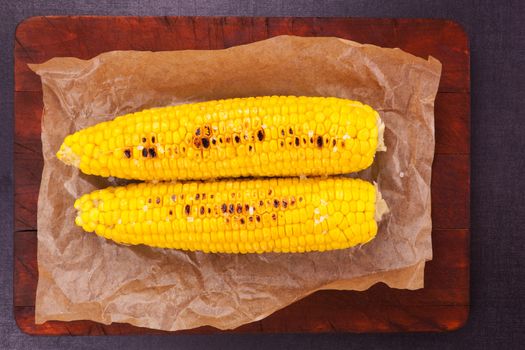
(444, 302)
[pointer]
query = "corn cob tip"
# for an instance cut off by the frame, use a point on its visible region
(381, 206)
(381, 146)
(68, 156)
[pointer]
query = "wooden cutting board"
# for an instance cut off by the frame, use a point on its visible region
(444, 302)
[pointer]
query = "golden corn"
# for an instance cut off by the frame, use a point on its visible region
(256, 136)
(241, 216)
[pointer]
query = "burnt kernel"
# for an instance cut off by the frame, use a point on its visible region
(282, 132)
(228, 139)
(182, 196)
(311, 140)
(250, 218)
(304, 140)
(237, 139)
(334, 142)
(157, 200)
(144, 152)
(327, 140)
(213, 141)
(246, 137)
(202, 211)
(285, 203)
(171, 212)
(197, 142)
(300, 199)
(246, 207)
(203, 196)
(258, 218)
(292, 200)
(127, 153)
(297, 141)
(274, 216)
(197, 196)
(143, 139)
(250, 147)
(220, 139)
(183, 149)
(174, 197)
(212, 196)
(276, 203)
(207, 130)
(152, 152)
(198, 131)
(290, 131)
(205, 142)
(260, 134)
(153, 139)
(149, 200)
(242, 221)
(343, 144)
(319, 141)
(282, 143)
(209, 210)
(187, 209)
(239, 208)
(224, 208)
(231, 209)
(227, 220)
(233, 194)
(261, 203)
(270, 192)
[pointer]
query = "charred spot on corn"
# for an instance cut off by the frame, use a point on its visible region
(127, 153)
(319, 141)
(260, 135)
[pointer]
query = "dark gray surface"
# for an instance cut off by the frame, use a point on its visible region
(497, 41)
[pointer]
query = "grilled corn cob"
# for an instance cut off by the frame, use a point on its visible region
(240, 216)
(256, 136)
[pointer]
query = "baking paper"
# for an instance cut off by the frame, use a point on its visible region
(83, 276)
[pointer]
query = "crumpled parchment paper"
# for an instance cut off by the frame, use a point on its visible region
(83, 276)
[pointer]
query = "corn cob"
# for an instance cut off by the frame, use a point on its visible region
(241, 216)
(256, 136)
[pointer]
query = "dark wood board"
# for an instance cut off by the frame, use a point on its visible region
(442, 305)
